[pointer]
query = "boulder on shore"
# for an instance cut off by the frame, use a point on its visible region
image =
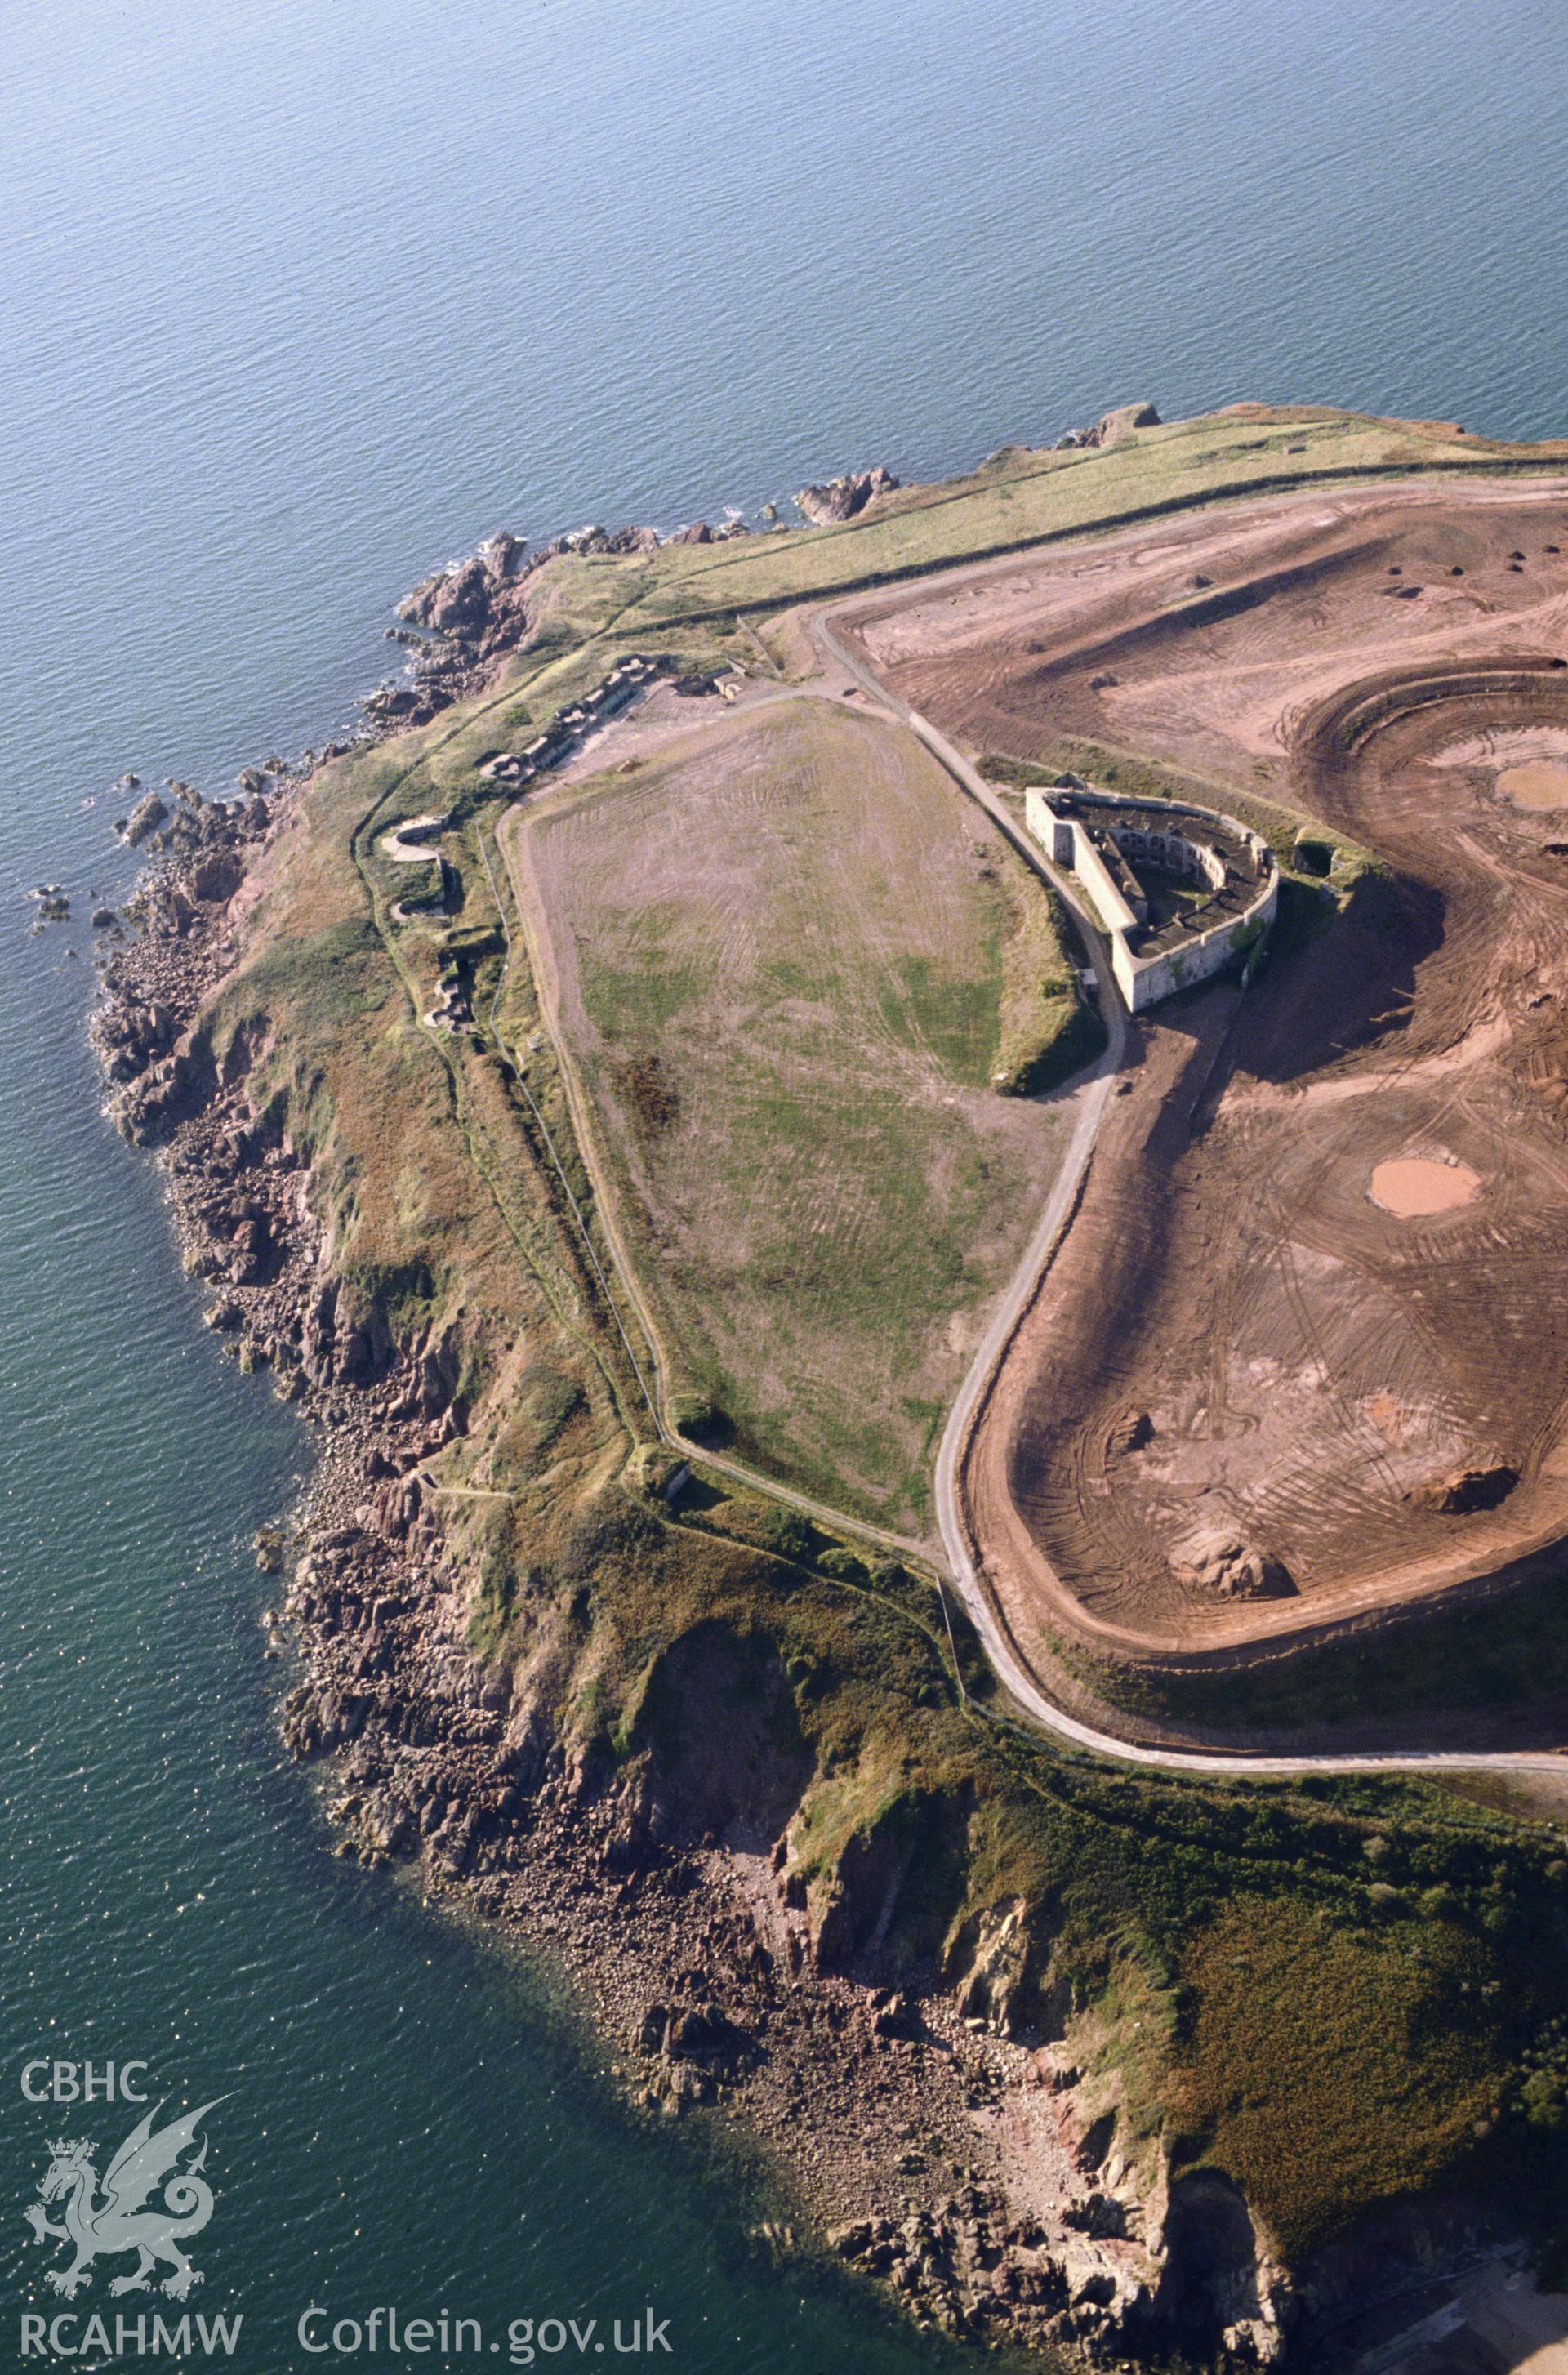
(216, 877)
(843, 498)
(145, 819)
(1113, 428)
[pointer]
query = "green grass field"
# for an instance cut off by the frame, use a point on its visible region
(791, 966)
(1337, 1989)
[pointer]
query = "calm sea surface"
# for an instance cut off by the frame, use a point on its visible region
(297, 300)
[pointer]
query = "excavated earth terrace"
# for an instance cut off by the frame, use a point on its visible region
(1302, 1357)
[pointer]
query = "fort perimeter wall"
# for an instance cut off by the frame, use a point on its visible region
(1144, 979)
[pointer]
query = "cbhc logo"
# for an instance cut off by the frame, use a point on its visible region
(83, 2082)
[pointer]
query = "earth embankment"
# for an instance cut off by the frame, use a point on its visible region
(1254, 1401)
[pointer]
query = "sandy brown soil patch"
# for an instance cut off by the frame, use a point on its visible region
(1535, 784)
(1411, 1186)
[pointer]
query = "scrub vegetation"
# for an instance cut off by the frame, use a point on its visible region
(1335, 1991)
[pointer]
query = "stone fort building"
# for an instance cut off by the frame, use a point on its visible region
(1179, 890)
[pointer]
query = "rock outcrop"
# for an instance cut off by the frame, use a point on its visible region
(145, 819)
(993, 1990)
(1131, 1432)
(1477, 1484)
(843, 498)
(475, 607)
(129, 1035)
(1222, 1565)
(1113, 428)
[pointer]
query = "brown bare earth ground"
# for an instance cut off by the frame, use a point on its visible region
(776, 953)
(1240, 1344)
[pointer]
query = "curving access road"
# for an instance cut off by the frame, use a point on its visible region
(1022, 1686)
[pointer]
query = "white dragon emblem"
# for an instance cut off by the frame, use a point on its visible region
(121, 2216)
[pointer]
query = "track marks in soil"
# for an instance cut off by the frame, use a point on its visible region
(797, 915)
(1308, 1361)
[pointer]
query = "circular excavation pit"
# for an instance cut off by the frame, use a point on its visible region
(1535, 784)
(1412, 1186)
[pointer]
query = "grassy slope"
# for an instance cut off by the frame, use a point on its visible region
(1296, 2021)
(1423, 1945)
(800, 959)
(1027, 496)
(700, 596)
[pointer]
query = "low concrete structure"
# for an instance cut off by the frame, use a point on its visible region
(412, 842)
(1159, 942)
(632, 675)
(444, 894)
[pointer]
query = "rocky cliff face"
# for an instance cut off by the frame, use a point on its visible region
(893, 2068)
(770, 1922)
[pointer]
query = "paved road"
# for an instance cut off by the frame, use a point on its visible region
(1021, 1684)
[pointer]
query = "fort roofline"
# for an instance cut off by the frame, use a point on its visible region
(1106, 837)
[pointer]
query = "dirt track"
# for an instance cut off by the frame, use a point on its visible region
(803, 1157)
(1236, 1339)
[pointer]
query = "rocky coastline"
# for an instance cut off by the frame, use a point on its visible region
(911, 2131)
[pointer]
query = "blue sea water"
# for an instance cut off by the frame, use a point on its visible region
(297, 301)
